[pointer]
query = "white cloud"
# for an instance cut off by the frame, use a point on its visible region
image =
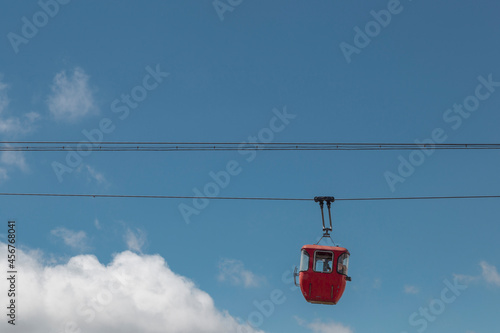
(234, 271)
(97, 224)
(32, 116)
(134, 293)
(3, 175)
(92, 174)
(10, 161)
(135, 240)
(411, 290)
(318, 326)
(14, 158)
(466, 278)
(97, 176)
(4, 98)
(490, 273)
(10, 125)
(14, 125)
(72, 97)
(75, 239)
(329, 327)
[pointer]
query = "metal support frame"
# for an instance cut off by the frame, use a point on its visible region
(329, 200)
(326, 230)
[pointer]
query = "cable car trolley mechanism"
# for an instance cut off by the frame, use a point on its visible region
(323, 269)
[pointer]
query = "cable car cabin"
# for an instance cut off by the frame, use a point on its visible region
(323, 273)
(323, 269)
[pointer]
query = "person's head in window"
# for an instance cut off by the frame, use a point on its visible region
(327, 266)
(323, 261)
(343, 263)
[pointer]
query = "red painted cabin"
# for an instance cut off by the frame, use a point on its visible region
(323, 273)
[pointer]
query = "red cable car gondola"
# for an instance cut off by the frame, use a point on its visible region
(323, 269)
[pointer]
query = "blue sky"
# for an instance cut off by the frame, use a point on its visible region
(226, 71)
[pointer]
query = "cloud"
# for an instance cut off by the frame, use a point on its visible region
(329, 327)
(14, 125)
(11, 160)
(72, 97)
(14, 158)
(4, 98)
(92, 174)
(411, 290)
(95, 175)
(3, 175)
(318, 326)
(97, 224)
(10, 125)
(234, 271)
(135, 240)
(32, 116)
(74, 239)
(490, 273)
(133, 293)
(466, 278)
